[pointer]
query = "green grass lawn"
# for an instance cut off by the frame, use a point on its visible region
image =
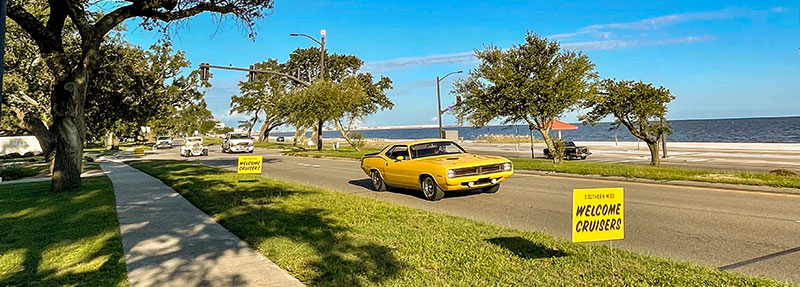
(658, 173)
(60, 239)
(331, 238)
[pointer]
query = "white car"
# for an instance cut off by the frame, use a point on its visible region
(193, 146)
(163, 141)
(237, 142)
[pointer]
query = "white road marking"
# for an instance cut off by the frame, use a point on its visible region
(798, 221)
(309, 165)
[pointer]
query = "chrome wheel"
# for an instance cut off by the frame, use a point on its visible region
(377, 181)
(428, 186)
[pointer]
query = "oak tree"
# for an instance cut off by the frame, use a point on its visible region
(640, 107)
(535, 82)
(67, 131)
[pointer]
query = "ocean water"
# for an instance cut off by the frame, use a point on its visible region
(765, 130)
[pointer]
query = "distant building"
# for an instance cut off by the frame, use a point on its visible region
(219, 125)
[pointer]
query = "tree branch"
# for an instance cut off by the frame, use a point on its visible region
(46, 41)
(76, 12)
(142, 9)
(58, 14)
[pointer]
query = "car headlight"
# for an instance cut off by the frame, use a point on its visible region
(451, 173)
(507, 166)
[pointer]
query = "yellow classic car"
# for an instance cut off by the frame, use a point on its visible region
(434, 166)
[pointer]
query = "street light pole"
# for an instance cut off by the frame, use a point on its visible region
(439, 100)
(321, 43)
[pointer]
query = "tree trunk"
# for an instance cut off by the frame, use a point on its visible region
(340, 127)
(263, 133)
(70, 129)
(551, 146)
(654, 158)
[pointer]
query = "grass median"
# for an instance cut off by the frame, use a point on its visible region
(60, 239)
(329, 238)
(658, 172)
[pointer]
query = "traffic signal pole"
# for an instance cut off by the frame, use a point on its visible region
(205, 75)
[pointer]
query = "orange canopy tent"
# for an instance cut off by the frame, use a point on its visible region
(561, 126)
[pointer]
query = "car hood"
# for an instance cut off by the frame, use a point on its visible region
(463, 160)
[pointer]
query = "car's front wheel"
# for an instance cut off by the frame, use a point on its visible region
(491, 189)
(430, 189)
(205, 152)
(377, 181)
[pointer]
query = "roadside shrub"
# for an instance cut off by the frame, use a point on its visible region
(13, 173)
(12, 155)
(784, 172)
(559, 147)
(358, 140)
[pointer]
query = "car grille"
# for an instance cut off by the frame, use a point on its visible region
(242, 144)
(478, 170)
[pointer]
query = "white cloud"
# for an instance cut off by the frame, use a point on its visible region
(622, 44)
(420, 61)
(601, 30)
(596, 37)
(434, 119)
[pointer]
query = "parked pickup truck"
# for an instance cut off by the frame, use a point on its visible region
(571, 151)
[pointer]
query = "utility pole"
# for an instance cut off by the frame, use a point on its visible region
(439, 100)
(322, 73)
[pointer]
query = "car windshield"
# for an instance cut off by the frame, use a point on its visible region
(435, 148)
(239, 136)
(194, 140)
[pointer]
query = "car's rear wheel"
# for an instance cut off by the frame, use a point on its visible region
(205, 152)
(491, 189)
(430, 189)
(377, 181)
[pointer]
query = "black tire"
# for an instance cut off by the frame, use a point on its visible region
(492, 189)
(251, 151)
(583, 157)
(430, 189)
(377, 181)
(205, 152)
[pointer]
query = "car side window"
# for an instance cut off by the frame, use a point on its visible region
(396, 151)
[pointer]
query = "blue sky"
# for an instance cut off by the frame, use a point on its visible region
(719, 58)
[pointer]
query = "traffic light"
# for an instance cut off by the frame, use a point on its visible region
(204, 72)
(251, 75)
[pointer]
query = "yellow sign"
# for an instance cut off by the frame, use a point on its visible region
(249, 164)
(598, 214)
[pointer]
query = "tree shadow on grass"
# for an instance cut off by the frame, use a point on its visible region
(524, 248)
(47, 228)
(267, 211)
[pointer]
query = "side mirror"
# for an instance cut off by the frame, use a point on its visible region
(399, 158)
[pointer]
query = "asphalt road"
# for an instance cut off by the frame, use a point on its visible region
(747, 232)
(761, 157)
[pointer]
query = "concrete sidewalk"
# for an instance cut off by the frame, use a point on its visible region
(169, 242)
